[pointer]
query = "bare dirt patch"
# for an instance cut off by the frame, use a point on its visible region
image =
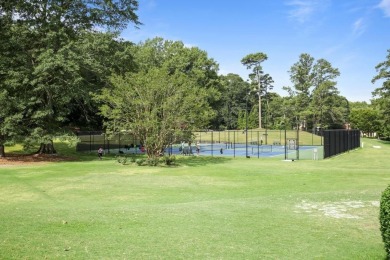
(340, 209)
(32, 159)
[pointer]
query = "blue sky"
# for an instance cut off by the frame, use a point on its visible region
(353, 35)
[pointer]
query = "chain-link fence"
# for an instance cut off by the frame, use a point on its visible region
(287, 144)
(91, 141)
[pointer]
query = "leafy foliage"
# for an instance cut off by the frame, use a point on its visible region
(384, 217)
(154, 105)
(73, 15)
(261, 81)
(233, 89)
(140, 161)
(382, 95)
(365, 119)
(171, 91)
(168, 160)
(315, 98)
(50, 61)
(122, 159)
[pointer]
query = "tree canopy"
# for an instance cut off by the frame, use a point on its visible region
(170, 92)
(156, 106)
(316, 98)
(49, 62)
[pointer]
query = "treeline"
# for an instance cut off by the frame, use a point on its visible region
(63, 67)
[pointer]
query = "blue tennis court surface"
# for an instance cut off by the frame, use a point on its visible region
(240, 150)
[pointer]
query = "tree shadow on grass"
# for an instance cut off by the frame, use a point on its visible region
(194, 161)
(384, 142)
(66, 153)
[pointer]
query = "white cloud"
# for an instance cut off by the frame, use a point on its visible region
(303, 10)
(149, 4)
(359, 27)
(385, 6)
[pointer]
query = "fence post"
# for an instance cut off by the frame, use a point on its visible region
(212, 143)
(285, 142)
(93, 141)
(119, 141)
(297, 147)
(90, 142)
(234, 144)
(258, 144)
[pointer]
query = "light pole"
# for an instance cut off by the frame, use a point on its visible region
(266, 117)
(246, 121)
(246, 124)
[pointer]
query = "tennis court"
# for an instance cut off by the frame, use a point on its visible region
(257, 151)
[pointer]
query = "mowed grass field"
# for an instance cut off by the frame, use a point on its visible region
(203, 208)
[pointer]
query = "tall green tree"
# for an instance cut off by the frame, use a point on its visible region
(41, 62)
(366, 120)
(315, 94)
(382, 94)
(156, 106)
(171, 90)
(72, 15)
(9, 120)
(301, 76)
(275, 110)
(233, 95)
(325, 97)
(253, 61)
(100, 55)
(174, 56)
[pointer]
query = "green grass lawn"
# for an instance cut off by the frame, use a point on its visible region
(204, 208)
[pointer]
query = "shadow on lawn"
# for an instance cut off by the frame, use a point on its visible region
(194, 161)
(181, 160)
(384, 142)
(66, 153)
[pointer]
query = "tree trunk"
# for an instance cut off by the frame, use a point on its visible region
(260, 124)
(2, 151)
(47, 148)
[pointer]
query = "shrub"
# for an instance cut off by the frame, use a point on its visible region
(140, 161)
(133, 158)
(384, 217)
(168, 160)
(121, 159)
(152, 161)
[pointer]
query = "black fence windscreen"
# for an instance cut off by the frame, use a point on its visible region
(92, 140)
(340, 141)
